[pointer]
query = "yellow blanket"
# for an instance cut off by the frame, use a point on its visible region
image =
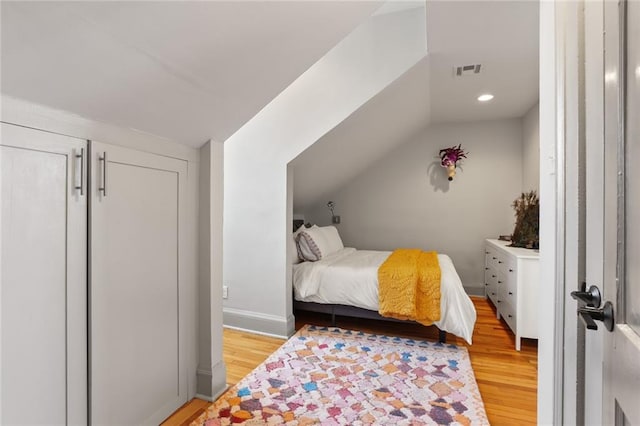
(409, 286)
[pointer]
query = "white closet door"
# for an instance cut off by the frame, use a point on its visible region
(43, 271)
(137, 350)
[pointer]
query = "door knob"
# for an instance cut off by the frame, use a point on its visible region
(591, 297)
(590, 315)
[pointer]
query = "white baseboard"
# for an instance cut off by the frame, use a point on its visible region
(261, 333)
(215, 396)
(211, 384)
(219, 380)
(259, 323)
(476, 290)
(203, 384)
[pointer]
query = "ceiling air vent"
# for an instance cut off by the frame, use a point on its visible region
(466, 70)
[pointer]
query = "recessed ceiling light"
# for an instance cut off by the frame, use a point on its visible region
(486, 97)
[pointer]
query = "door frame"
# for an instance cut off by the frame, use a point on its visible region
(551, 324)
(571, 136)
(562, 221)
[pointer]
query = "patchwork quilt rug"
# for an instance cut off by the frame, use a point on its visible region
(332, 376)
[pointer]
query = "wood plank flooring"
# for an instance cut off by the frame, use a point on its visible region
(507, 379)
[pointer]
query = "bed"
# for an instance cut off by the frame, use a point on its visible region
(344, 281)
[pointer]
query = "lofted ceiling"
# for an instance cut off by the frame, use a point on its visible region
(188, 71)
(502, 36)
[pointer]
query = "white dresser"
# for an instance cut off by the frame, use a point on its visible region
(511, 283)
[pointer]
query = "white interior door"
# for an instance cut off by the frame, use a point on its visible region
(622, 221)
(137, 333)
(43, 272)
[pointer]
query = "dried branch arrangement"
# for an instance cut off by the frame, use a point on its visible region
(526, 233)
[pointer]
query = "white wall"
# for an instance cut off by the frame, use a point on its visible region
(216, 204)
(204, 274)
(405, 199)
(211, 367)
(531, 149)
(257, 207)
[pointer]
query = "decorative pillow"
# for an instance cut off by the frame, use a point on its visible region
(318, 242)
(293, 250)
(307, 247)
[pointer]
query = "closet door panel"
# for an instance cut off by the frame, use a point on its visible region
(43, 294)
(136, 340)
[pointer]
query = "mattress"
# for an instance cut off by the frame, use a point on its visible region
(350, 277)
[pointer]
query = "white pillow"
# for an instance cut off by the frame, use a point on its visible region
(318, 242)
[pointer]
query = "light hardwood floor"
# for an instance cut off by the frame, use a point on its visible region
(507, 379)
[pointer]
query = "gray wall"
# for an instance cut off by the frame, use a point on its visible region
(531, 150)
(405, 200)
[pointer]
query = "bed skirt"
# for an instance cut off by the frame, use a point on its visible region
(352, 311)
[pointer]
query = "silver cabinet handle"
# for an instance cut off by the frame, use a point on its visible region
(81, 157)
(103, 188)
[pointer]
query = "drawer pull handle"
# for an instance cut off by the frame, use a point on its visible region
(494, 258)
(499, 301)
(499, 261)
(486, 252)
(510, 293)
(493, 276)
(486, 269)
(510, 316)
(493, 294)
(486, 283)
(499, 282)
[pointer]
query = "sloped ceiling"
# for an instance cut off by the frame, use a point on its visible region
(365, 137)
(191, 71)
(502, 36)
(187, 71)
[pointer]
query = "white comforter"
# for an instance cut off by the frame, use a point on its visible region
(350, 277)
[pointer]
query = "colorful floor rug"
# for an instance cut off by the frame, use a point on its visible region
(331, 376)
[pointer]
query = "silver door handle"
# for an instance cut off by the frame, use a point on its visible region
(103, 188)
(81, 157)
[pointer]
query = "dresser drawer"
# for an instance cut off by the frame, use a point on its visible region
(490, 282)
(509, 292)
(501, 260)
(492, 293)
(508, 312)
(491, 258)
